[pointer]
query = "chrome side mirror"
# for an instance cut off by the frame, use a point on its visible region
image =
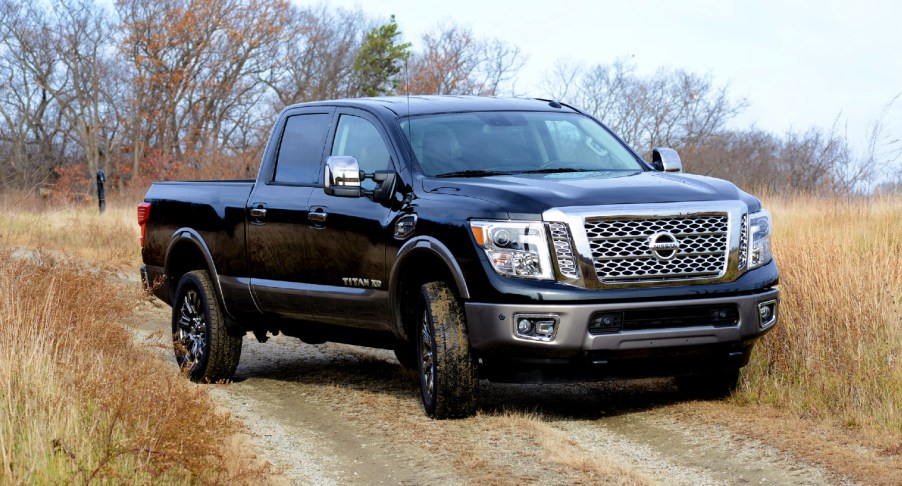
(666, 160)
(342, 177)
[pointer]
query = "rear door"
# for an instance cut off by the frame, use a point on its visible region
(278, 210)
(346, 243)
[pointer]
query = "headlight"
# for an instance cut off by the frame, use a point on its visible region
(759, 239)
(515, 249)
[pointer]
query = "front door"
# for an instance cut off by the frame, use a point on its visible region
(346, 239)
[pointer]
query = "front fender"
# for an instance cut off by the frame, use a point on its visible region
(416, 247)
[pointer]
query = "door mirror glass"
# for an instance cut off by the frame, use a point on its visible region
(342, 176)
(666, 160)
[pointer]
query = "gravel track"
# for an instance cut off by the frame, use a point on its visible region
(336, 414)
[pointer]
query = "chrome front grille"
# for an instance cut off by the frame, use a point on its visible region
(622, 248)
(563, 250)
(744, 242)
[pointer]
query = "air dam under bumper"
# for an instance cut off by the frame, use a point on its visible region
(492, 326)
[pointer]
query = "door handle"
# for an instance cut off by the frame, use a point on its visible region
(258, 212)
(317, 217)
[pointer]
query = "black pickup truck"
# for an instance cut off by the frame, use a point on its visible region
(505, 239)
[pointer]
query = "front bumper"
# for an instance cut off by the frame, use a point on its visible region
(492, 327)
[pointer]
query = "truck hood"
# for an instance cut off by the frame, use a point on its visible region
(535, 193)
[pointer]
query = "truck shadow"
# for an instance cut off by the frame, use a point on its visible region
(355, 369)
(585, 401)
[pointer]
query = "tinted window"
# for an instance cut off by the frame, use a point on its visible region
(301, 148)
(359, 138)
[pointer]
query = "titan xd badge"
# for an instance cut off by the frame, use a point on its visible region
(362, 282)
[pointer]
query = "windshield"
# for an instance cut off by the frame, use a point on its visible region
(494, 143)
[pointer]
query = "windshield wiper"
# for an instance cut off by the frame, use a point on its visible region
(560, 169)
(473, 173)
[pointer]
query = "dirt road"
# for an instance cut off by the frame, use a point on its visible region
(336, 414)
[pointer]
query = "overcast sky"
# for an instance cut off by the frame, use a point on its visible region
(799, 64)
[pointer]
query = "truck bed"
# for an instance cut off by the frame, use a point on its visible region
(214, 210)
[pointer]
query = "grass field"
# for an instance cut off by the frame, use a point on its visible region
(109, 241)
(92, 403)
(80, 401)
(837, 352)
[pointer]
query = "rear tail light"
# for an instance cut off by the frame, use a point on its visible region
(143, 216)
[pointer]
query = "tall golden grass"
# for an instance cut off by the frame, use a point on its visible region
(837, 352)
(80, 400)
(109, 240)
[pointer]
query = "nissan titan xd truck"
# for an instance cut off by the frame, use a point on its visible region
(480, 238)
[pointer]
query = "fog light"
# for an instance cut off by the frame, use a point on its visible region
(536, 327)
(767, 313)
(545, 328)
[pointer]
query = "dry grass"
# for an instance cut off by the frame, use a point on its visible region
(849, 454)
(81, 401)
(837, 352)
(109, 240)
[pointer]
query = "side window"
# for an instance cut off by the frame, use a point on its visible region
(359, 138)
(301, 148)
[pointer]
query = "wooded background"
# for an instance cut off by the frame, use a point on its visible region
(170, 89)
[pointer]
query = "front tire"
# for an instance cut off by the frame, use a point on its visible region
(203, 347)
(447, 371)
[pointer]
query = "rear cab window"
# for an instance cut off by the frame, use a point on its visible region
(301, 148)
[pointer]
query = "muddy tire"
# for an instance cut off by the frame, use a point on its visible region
(203, 348)
(446, 368)
(709, 385)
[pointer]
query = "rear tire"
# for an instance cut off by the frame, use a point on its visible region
(709, 385)
(203, 347)
(447, 371)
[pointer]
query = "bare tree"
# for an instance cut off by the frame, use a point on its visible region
(454, 61)
(199, 67)
(669, 107)
(316, 55)
(81, 39)
(32, 128)
(814, 160)
(881, 158)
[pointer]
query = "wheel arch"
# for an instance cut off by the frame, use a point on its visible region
(188, 251)
(421, 260)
